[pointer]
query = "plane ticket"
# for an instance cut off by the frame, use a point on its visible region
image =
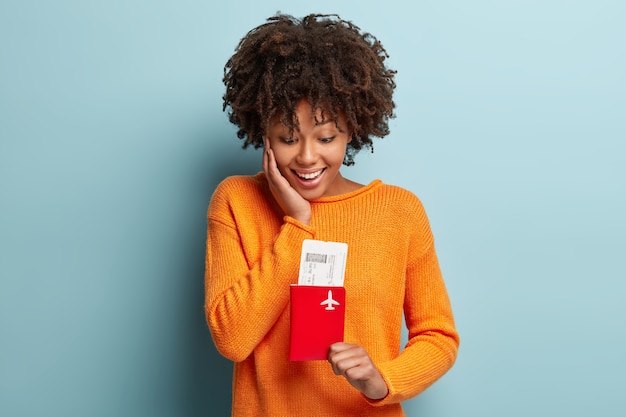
(322, 263)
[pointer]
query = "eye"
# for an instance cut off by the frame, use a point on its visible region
(288, 141)
(327, 140)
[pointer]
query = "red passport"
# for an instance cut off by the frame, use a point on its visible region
(317, 319)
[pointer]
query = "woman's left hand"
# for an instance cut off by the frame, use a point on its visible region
(353, 362)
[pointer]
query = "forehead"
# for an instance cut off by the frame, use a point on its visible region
(304, 116)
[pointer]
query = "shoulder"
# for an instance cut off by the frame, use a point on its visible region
(240, 186)
(397, 191)
(239, 182)
(238, 189)
(401, 198)
(404, 209)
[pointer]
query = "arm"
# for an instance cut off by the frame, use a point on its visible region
(430, 352)
(245, 297)
(243, 303)
(433, 339)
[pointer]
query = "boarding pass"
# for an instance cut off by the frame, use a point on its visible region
(322, 263)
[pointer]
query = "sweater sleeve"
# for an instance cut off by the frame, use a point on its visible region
(433, 339)
(242, 303)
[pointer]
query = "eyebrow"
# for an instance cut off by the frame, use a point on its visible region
(317, 123)
(323, 122)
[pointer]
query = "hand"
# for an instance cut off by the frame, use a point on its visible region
(289, 200)
(353, 362)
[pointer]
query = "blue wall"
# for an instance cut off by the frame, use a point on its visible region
(511, 128)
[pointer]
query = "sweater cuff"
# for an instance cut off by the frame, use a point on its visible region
(388, 399)
(300, 225)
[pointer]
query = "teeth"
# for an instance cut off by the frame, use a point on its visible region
(311, 175)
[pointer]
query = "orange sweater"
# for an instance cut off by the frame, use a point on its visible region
(253, 255)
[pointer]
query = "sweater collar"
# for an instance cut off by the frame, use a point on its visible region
(335, 198)
(342, 197)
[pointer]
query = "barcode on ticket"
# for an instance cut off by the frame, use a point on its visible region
(317, 258)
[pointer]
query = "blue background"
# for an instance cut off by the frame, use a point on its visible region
(511, 127)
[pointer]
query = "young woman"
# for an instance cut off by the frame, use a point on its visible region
(313, 92)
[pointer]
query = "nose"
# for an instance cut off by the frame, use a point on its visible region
(307, 152)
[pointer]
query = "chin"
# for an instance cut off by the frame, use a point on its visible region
(309, 195)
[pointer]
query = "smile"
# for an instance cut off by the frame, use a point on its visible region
(309, 175)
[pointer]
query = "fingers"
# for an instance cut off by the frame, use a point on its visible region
(270, 167)
(349, 360)
(353, 363)
(266, 148)
(269, 163)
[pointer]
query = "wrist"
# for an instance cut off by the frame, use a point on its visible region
(304, 220)
(303, 217)
(377, 393)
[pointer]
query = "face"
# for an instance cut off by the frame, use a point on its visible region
(311, 156)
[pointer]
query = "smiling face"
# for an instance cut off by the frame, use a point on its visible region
(310, 157)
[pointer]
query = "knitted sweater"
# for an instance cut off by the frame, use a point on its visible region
(253, 255)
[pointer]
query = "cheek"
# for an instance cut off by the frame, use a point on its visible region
(282, 159)
(338, 154)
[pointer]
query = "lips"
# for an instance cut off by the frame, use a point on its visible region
(308, 176)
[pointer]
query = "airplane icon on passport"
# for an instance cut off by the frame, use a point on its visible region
(329, 301)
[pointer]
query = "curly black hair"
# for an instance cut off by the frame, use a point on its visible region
(322, 58)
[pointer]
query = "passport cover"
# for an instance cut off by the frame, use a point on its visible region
(317, 320)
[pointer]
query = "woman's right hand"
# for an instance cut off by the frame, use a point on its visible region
(289, 200)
